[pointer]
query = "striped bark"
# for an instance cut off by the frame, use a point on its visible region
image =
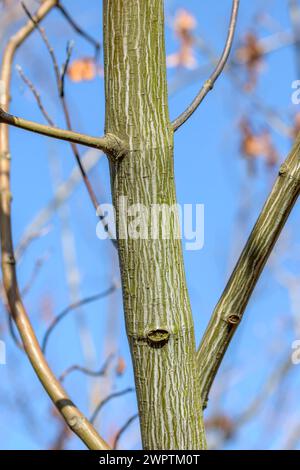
(233, 302)
(157, 310)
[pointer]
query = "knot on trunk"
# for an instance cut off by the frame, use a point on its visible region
(158, 338)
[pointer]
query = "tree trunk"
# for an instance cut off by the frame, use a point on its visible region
(157, 310)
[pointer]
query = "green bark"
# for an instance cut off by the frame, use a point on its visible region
(157, 309)
(233, 302)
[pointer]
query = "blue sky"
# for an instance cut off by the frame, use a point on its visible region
(209, 170)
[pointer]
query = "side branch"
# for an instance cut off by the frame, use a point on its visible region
(109, 144)
(209, 84)
(232, 304)
(72, 415)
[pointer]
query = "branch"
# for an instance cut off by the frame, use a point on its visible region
(60, 80)
(273, 381)
(36, 95)
(72, 307)
(36, 269)
(65, 69)
(72, 415)
(78, 159)
(123, 429)
(37, 227)
(78, 29)
(109, 144)
(107, 399)
(209, 84)
(232, 304)
(92, 373)
(294, 11)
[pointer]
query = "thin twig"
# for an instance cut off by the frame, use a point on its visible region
(92, 373)
(13, 333)
(26, 241)
(279, 373)
(46, 41)
(36, 95)
(36, 269)
(106, 400)
(79, 30)
(73, 307)
(209, 84)
(72, 415)
(10, 322)
(38, 226)
(65, 66)
(294, 11)
(60, 78)
(123, 429)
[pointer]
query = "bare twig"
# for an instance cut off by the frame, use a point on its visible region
(92, 373)
(36, 269)
(30, 237)
(78, 29)
(73, 307)
(279, 373)
(106, 400)
(36, 95)
(123, 429)
(65, 66)
(72, 415)
(272, 115)
(46, 41)
(294, 10)
(61, 91)
(209, 84)
(13, 333)
(37, 227)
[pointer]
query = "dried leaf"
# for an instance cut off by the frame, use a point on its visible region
(83, 69)
(257, 145)
(121, 366)
(221, 423)
(251, 54)
(184, 24)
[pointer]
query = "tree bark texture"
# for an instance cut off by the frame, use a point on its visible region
(157, 309)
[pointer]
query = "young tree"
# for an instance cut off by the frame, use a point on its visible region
(173, 378)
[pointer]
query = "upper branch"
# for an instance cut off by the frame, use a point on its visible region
(232, 304)
(209, 84)
(109, 144)
(78, 29)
